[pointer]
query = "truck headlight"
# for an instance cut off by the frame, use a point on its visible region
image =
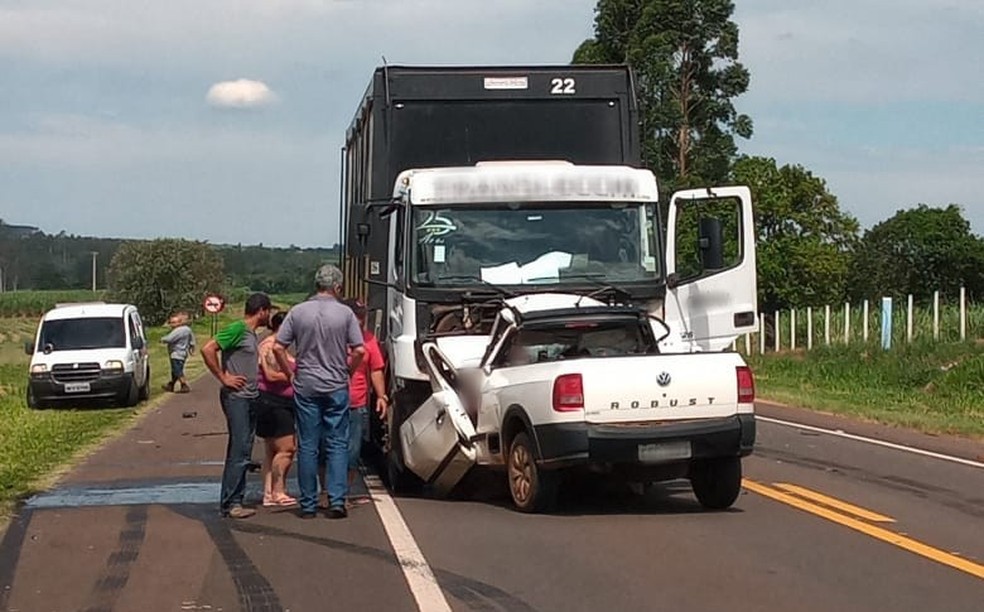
(39, 368)
(114, 366)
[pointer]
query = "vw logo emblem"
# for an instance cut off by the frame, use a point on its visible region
(75, 366)
(663, 379)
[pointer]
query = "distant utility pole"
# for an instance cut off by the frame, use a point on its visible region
(94, 255)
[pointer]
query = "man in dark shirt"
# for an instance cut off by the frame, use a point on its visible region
(238, 373)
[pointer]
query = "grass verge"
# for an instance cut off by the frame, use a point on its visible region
(935, 388)
(37, 446)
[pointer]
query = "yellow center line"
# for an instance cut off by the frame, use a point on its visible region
(836, 504)
(903, 542)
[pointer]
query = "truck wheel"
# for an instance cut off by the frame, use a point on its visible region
(532, 489)
(716, 482)
(144, 394)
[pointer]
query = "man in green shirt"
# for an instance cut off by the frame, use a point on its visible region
(238, 372)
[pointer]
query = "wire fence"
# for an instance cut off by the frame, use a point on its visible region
(885, 323)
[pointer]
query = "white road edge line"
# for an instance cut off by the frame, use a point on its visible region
(875, 441)
(423, 585)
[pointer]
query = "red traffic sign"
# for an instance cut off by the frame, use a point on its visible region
(214, 304)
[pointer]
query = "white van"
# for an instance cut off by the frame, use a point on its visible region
(89, 351)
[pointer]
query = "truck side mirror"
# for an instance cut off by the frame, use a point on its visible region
(137, 343)
(29, 348)
(711, 243)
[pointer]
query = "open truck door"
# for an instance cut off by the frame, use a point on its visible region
(712, 284)
(437, 439)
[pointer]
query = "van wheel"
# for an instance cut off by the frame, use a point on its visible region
(32, 402)
(145, 389)
(132, 397)
(532, 489)
(716, 482)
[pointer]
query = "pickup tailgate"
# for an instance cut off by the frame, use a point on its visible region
(659, 388)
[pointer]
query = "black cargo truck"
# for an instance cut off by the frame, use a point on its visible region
(421, 117)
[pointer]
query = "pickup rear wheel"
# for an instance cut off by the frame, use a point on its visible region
(532, 488)
(716, 482)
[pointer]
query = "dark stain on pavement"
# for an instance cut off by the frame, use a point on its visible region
(10, 549)
(117, 571)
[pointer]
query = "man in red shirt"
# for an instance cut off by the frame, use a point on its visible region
(370, 372)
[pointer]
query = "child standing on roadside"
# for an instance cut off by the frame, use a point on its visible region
(180, 343)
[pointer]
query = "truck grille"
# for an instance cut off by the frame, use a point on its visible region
(75, 372)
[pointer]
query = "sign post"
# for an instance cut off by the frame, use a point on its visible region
(214, 304)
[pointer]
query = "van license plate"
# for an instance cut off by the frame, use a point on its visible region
(77, 387)
(666, 451)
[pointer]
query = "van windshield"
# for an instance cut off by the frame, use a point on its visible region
(81, 334)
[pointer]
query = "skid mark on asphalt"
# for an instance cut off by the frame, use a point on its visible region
(117, 571)
(477, 595)
(810, 503)
(254, 590)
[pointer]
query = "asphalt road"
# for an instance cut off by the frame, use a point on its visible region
(825, 522)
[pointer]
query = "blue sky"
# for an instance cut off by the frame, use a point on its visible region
(107, 126)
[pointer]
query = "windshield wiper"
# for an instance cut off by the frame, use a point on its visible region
(472, 277)
(603, 287)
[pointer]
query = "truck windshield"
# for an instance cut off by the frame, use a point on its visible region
(509, 244)
(81, 334)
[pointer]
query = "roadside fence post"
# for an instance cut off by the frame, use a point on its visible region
(865, 316)
(936, 315)
(847, 322)
(761, 333)
(809, 328)
(826, 324)
(792, 329)
(886, 321)
(963, 314)
(778, 333)
(908, 321)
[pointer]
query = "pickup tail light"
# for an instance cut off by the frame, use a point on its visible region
(746, 385)
(568, 393)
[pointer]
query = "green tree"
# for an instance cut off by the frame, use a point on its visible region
(919, 251)
(161, 276)
(684, 54)
(805, 241)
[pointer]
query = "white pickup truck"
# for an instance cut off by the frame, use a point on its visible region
(568, 383)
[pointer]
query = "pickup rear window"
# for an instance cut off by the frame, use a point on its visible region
(548, 341)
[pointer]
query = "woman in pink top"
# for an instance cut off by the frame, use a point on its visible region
(275, 420)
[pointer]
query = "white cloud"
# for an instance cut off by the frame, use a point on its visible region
(241, 93)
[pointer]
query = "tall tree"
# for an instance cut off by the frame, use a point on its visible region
(805, 241)
(919, 251)
(685, 57)
(160, 276)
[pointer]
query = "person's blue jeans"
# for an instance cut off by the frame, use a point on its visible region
(322, 419)
(357, 429)
(240, 414)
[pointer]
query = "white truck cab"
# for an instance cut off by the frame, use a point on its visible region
(91, 351)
